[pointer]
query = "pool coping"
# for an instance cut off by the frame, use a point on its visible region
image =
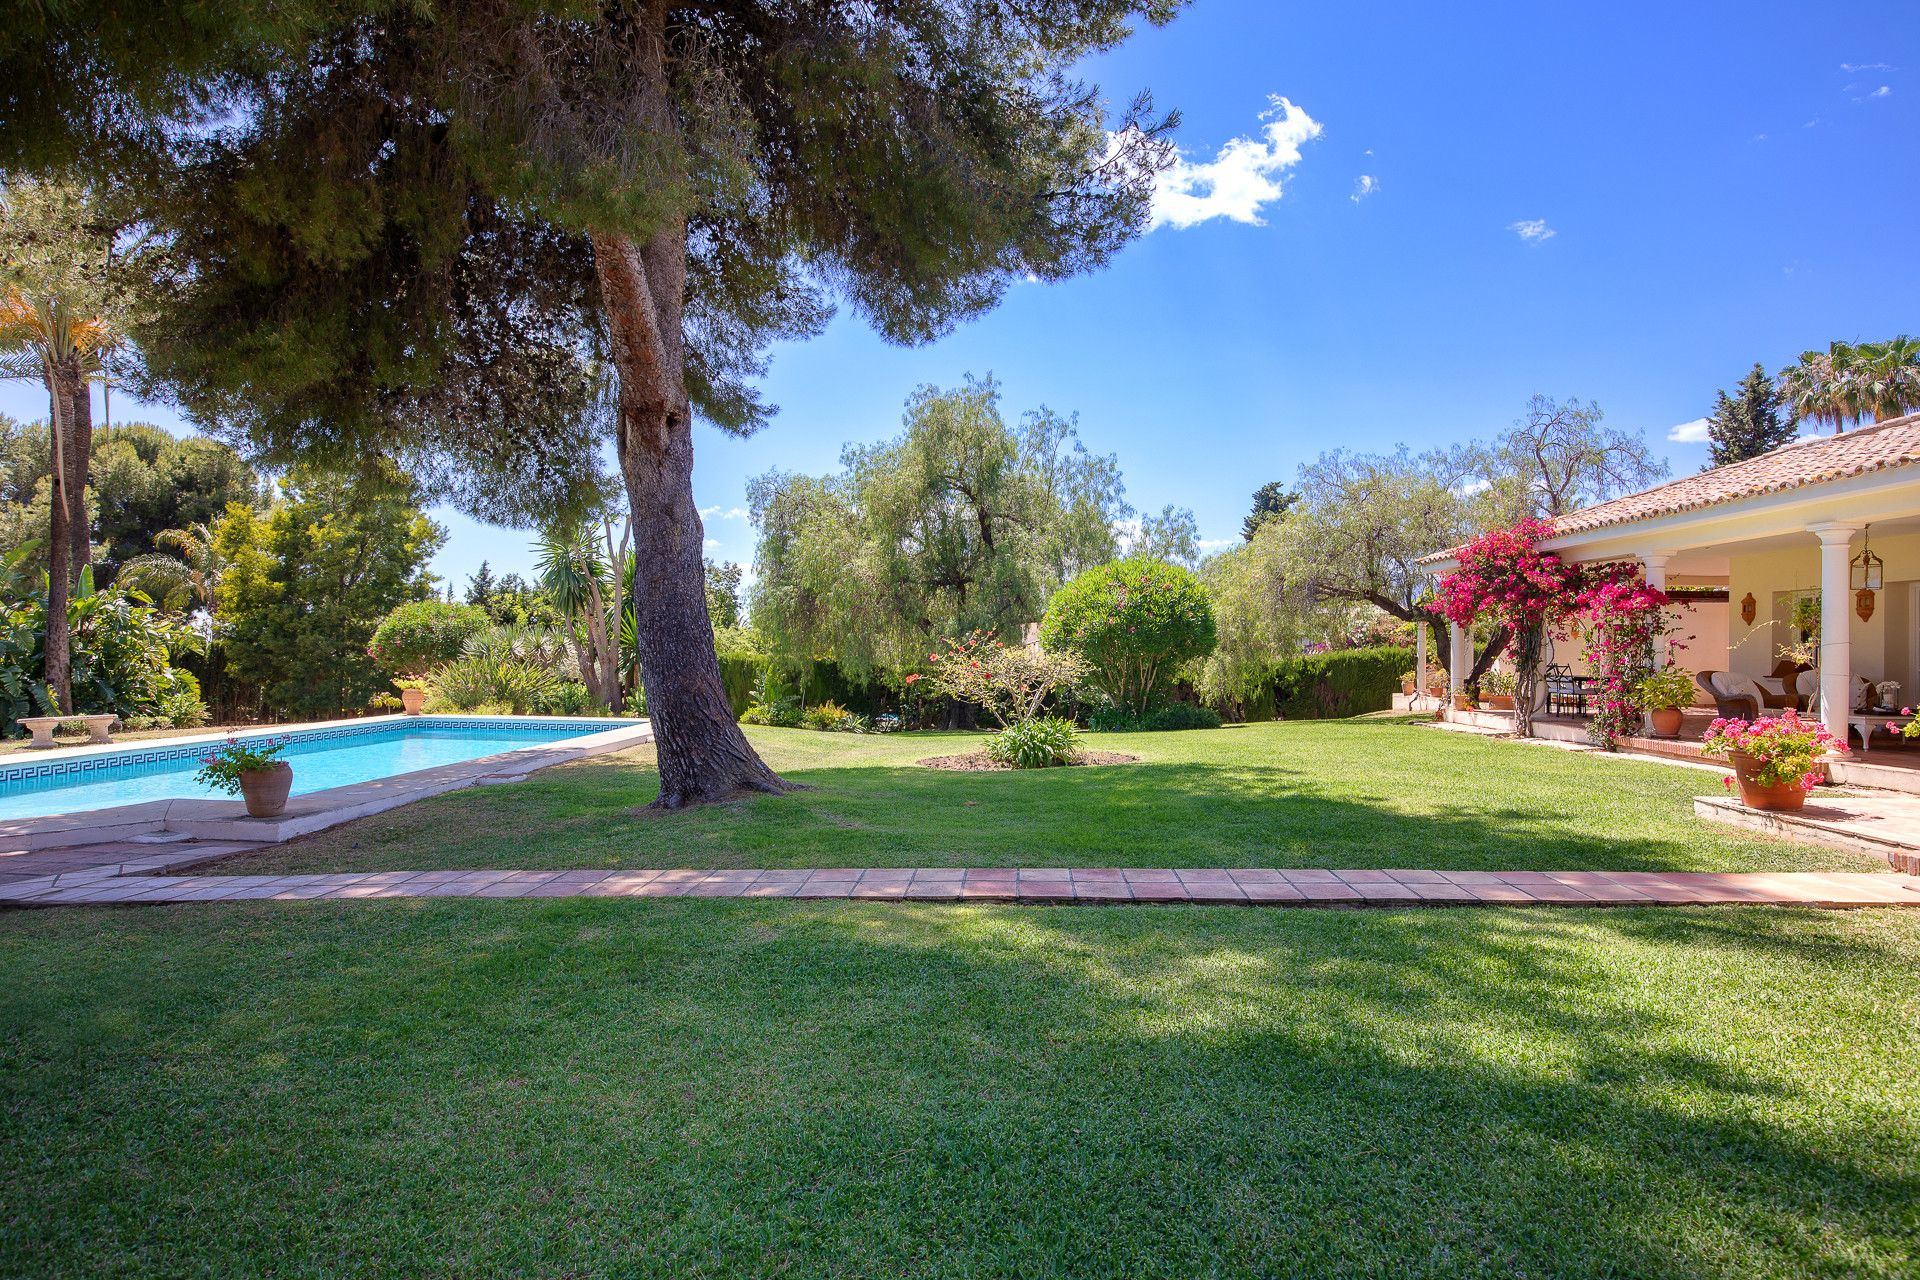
(315, 811)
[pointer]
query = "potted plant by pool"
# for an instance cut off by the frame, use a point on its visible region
(1774, 758)
(1665, 695)
(1497, 687)
(413, 695)
(249, 767)
(1409, 680)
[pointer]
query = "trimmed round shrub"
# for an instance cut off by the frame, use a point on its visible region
(1035, 744)
(1135, 621)
(417, 637)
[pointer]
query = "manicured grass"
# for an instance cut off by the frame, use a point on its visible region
(1361, 793)
(686, 1088)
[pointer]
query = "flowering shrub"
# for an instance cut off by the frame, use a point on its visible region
(1499, 683)
(221, 768)
(1135, 620)
(421, 635)
(1783, 747)
(1911, 729)
(1505, 578)
(1008, 682)
(1620, 618)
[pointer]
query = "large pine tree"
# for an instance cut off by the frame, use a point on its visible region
(1750, 423)
(424, 230)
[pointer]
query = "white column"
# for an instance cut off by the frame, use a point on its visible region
(1836, 624)
(1656, 572)
(1419, 663)
(1456, 665)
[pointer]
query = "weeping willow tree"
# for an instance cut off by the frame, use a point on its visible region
(406, 228)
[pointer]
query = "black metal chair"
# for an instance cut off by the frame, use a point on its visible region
(1564, 689)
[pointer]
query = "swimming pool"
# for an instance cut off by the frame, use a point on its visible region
(322, 758)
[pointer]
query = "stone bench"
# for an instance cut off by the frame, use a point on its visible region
(42, 727)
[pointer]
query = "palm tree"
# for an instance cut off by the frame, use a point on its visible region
(1823, 387)
(65, 305)
(178, 582)
(1887, 377)
(1854, 382)
(576, 580)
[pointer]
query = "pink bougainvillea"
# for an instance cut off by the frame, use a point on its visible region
(1505, 577)
(1620, 617)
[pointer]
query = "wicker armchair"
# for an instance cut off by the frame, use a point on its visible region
(1734, 706)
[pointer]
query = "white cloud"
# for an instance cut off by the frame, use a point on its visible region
(1472, 485)
(1363, 186)
(1214, 544)
(1884, 91)
(1532, 230)
(726, 513)
(1242, 179)
(1694, 432)
(1851, 67)
(711, 544)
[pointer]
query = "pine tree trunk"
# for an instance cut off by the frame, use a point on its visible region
(703, 755)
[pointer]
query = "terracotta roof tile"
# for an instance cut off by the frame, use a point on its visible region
(1893, 443)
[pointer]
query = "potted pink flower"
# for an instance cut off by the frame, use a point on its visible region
(1774, 758)
(250, 768)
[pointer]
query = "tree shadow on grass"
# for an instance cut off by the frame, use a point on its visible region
(744, 1088)
(1477, 812)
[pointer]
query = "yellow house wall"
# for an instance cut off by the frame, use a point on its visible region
(1884, 647)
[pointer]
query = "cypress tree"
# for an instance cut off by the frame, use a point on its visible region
(1749, 424)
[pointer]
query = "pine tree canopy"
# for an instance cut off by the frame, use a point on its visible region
(381, 211)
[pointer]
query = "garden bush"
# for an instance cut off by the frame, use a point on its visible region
(1035, 744)
(1341, 682)
(568, 698)
(1135, 621)
(1174, 715)
(478, 682)
(122, 653)
(417, 637)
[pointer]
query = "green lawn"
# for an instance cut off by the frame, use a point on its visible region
(697, 1088)
(1356, 793)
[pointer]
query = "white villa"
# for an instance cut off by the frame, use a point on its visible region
(1834, 516)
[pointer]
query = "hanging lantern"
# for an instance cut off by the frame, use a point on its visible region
(1868, 570)
(1748, 609)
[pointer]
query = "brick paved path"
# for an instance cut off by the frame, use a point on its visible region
(128, 875)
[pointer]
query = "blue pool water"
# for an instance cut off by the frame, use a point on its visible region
(321, 758)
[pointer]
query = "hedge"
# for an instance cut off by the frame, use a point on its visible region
(1326, 686)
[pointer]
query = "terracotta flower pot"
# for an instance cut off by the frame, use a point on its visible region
(265, 790)
(413, 700)
(1463, 702)
(1500, 701)
(1437, 690)
(1780, 796)
(1667, 721)
(1406, 686)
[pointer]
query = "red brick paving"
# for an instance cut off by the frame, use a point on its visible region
(1266, 886)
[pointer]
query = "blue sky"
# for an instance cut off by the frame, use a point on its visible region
(1628, 203)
